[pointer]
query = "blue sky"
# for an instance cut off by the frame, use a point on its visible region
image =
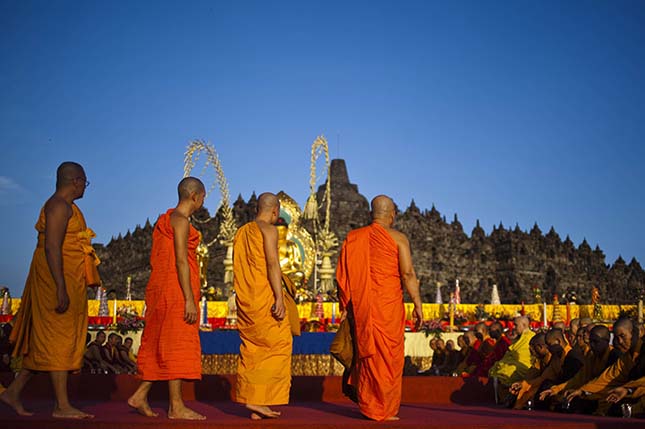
(517, 111)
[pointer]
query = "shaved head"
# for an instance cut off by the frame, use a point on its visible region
(555, 334)
(600, 331)
(538, 338)
(67, 172)
(382, 207)
(190, 186)
(267, 202)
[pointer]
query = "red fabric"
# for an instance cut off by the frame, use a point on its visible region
(170, 347)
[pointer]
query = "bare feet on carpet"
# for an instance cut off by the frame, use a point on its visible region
(70, 413)
(392, 419)
(14, 403)
(184, 413)
(260, 412)
(141, 406)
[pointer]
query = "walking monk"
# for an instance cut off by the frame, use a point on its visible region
(264, 367)
(373, 263)
(51, 325)
(170, 348)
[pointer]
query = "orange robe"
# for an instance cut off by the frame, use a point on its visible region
(170, 347)
(46, 340)
(369, 280)
(264, 366)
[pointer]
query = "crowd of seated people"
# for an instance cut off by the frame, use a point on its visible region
(113, 356)
(574, 369)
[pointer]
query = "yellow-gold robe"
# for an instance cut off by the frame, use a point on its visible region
(44, 339)
(264, 366)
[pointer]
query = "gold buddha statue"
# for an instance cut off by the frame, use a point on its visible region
(289, 254)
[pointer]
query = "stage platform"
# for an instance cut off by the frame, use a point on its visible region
(428, 402)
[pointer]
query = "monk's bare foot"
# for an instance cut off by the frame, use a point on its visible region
(14, 403)
(184, 413)
(392, 419)
(259, 412)
(70, 413)
(141, 406)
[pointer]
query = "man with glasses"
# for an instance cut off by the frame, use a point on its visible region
(51, 324)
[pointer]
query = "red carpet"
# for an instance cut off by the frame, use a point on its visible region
(428, 402)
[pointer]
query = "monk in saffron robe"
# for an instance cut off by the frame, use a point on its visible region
(170, 348)
(264, 366)
(373, 263)
(51, 324)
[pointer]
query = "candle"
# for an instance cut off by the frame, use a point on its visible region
(114, 315)
(201, 311)
(544, 311)
(640, 311)
(333, 312)
(451, 307)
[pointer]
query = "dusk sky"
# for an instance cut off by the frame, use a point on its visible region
(502, 111)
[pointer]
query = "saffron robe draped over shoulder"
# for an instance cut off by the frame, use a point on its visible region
(46, 340)
(170, 347)
(264, 366)
(369, 280)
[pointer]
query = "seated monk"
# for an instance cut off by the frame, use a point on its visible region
(523, 390)
(472, 359)
(127, 343)
(94, 355)
(502, 342)
(592, 395)
(562, 366)
(513, 366)
(123, 357)
(486, 350)
(601, 357)
(439, 358)
(453, 358)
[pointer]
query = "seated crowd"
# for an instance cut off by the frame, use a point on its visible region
(573, 369)
(112, 356)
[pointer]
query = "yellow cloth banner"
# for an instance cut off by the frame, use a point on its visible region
(307, 310)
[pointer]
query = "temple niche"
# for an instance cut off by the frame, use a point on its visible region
(517, 261)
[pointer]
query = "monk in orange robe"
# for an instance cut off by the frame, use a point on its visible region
(373, 263)
(51, 324)
(264, 366)
(170, 348)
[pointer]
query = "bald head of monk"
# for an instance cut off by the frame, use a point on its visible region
(190, 186)
(383, 210)
(70, 177)
(599, 339)
(538, 345)
(521, 324)
(555, 341)
(625, 335)
(268, 208)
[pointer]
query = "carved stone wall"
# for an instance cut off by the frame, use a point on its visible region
(513, 259)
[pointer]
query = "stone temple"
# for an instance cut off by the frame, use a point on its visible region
(516, 261)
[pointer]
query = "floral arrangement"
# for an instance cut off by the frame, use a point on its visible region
(537, 294)
(432, 327)
(128, 320)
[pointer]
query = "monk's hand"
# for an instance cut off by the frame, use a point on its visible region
(63, 300)
(190, 312)
(574, 394)
(615, 395)
(545, 394)
(277, 310)
(418, 315)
